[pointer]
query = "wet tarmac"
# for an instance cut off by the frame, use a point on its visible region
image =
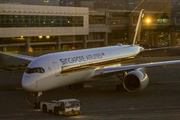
(160, 100)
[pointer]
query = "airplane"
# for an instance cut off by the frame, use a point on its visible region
(59, 69)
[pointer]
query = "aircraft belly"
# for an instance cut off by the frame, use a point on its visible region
(52, 82)
(45, 84)
(75, 77)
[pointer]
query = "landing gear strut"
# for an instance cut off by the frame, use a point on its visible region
(121, 77)
(37, 103)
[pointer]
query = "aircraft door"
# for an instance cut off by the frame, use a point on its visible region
(57, 69)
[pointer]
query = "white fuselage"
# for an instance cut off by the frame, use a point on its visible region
(65, 68)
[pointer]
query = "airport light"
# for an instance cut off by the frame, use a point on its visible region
(30, 49)
(19, 38)
(162, 20)
(159, 20)
(148, 20)
(165, 20)
(46, 1)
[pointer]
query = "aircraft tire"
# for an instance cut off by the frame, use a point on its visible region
(36, 105)
(44, 108)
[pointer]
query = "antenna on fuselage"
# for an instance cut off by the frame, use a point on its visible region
(138, 26)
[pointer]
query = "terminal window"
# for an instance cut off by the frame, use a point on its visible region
(40, 21)
(178, 19)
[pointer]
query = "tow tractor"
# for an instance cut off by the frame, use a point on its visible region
(62, 107)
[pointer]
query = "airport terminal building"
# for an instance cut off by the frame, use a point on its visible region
(78, 24)
(24, 26)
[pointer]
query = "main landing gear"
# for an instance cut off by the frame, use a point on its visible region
(76, 86)
(121, 77)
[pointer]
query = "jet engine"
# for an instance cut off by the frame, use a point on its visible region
(136, 80)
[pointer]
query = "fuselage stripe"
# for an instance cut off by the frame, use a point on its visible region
(67, 69)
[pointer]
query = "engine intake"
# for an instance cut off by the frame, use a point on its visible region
(136, 80)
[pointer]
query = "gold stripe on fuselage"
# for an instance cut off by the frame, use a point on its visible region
(92, 65)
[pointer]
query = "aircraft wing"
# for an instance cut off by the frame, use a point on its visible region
(104, 72)
(25, 57)
(161, 48)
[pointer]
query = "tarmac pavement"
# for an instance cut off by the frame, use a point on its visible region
(160, 100)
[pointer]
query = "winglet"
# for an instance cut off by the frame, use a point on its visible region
(141, 15)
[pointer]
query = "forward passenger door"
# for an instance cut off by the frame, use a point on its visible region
(57, 69)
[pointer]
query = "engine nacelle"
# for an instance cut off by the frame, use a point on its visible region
(135, 80)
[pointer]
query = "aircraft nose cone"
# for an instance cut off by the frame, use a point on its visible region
(27, 84)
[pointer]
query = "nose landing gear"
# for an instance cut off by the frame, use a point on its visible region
(37, 103)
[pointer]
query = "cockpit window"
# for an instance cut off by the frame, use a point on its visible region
(34, 70)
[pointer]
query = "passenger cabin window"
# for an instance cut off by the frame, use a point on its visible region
(34, 70)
